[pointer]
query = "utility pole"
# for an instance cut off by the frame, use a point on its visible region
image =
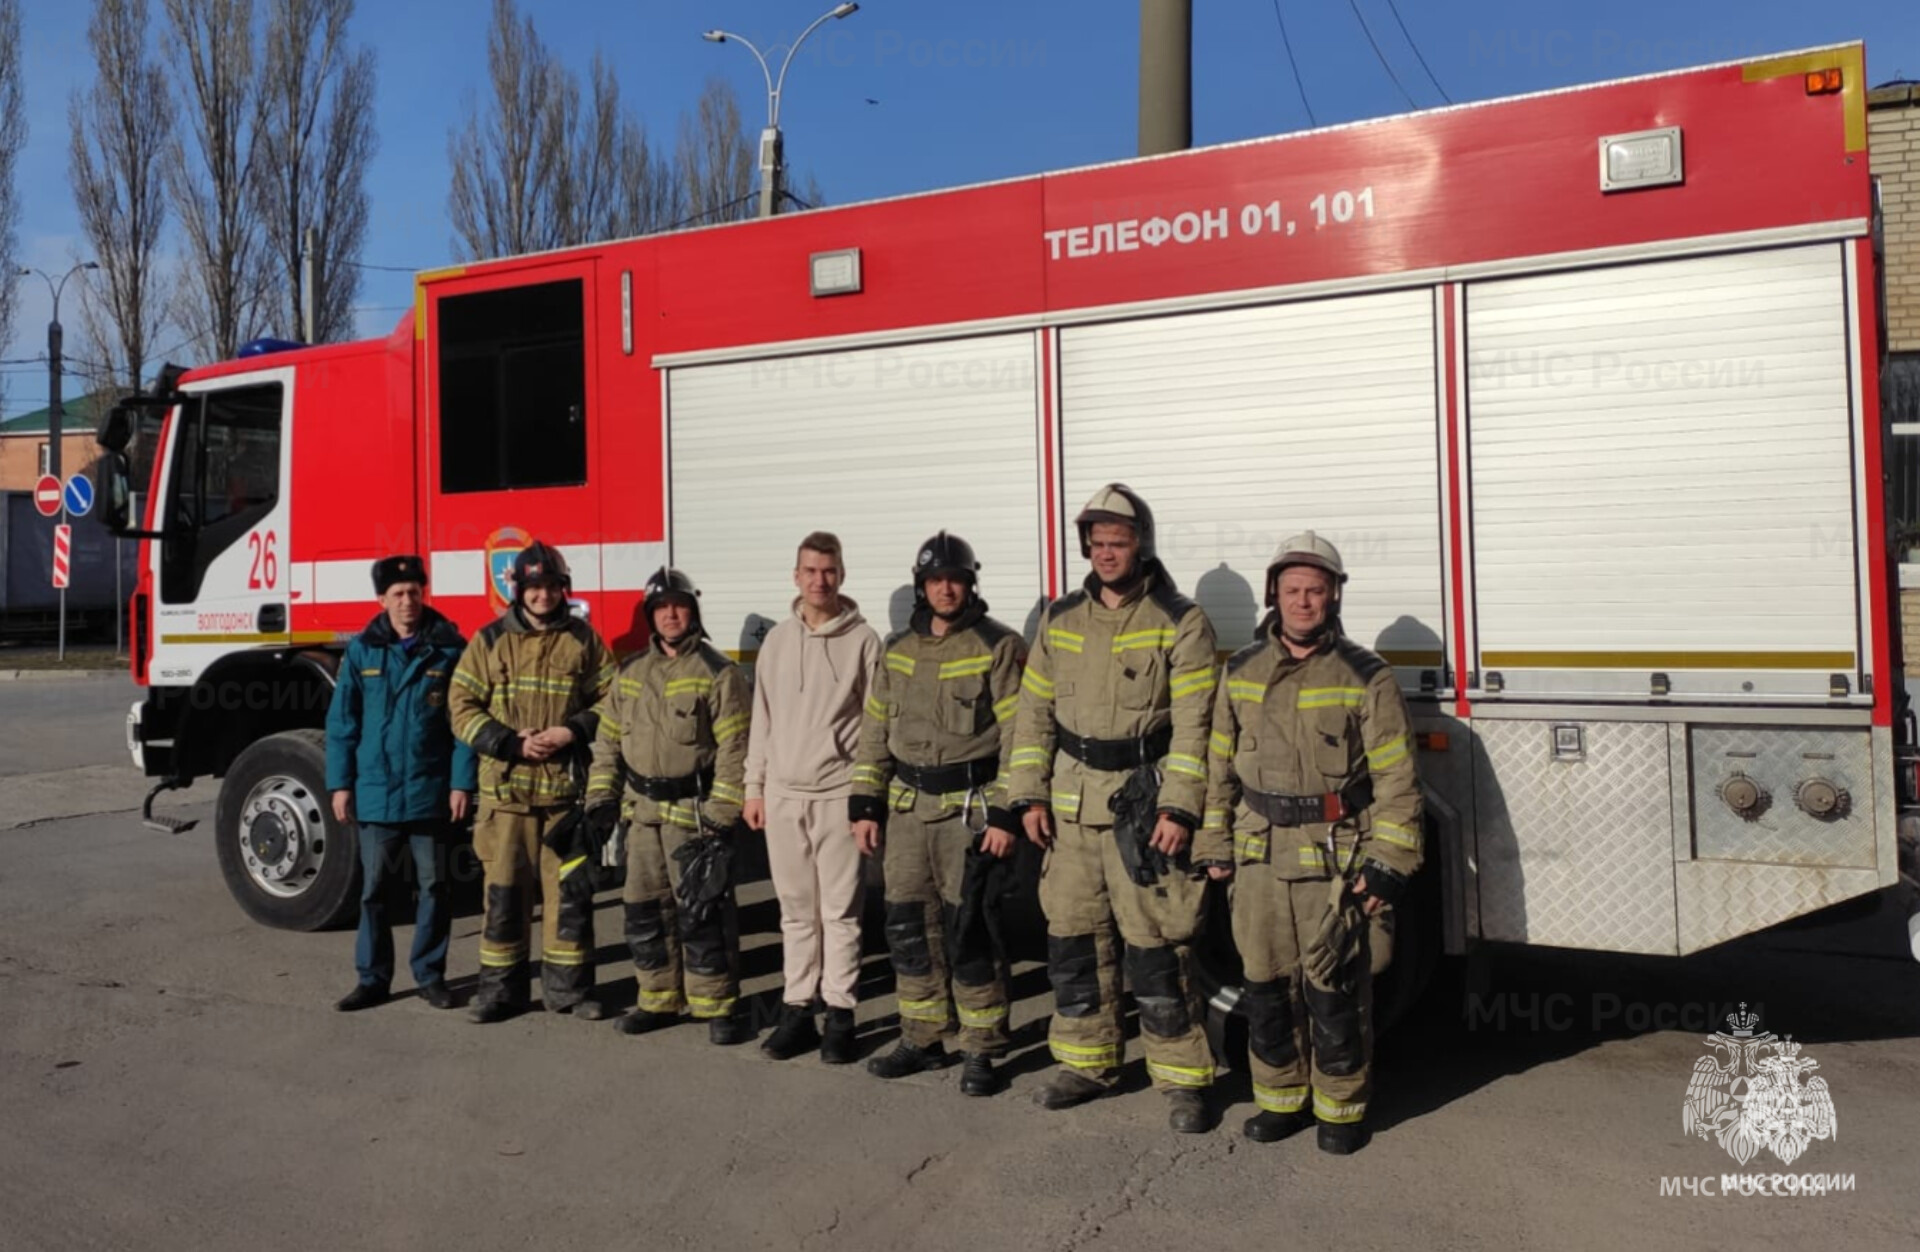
(309, 284)
(55, 340)
(1166, 76)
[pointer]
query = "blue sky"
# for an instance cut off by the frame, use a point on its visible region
(967, 91)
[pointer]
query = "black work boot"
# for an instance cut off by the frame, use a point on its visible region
(1066, 1090)
(1342, 1138)
(587, 1009)
(489, 1011)
(837, 1049)
(729, 1030)
(978, 1078)
(1187, 1111)
(362, 997)
(795, 1033)
(437, 993)
(641, 1022)
(908, 1059)
(1268, 1127)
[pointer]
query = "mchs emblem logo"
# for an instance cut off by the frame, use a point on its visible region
(1752, 1091)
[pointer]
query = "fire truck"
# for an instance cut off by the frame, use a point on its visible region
(1583, 384)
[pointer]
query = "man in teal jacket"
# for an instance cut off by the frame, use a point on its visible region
(394, 766)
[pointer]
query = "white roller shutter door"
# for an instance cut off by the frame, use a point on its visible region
(881, 446)
(1661, 476)
(1243, 426)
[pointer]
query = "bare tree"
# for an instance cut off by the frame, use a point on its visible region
(221, 293)
(506, 166)
(315, 139)
(119, 132)
(13, 137)
(716, 158)
(613, 184)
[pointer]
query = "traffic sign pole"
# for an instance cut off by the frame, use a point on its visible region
(75, 500)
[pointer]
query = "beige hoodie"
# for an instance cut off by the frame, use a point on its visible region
(809, 692)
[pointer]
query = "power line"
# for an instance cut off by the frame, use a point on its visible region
(1355, 6)
(1297, 80)
(1395, 10)
(385, 269)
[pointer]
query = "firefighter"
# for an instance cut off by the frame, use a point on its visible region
(931, 775)
(673, 742)
(1329, 837)
(1109, 775)
(525, 698)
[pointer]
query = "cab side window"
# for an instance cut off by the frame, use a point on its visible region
(513, 388)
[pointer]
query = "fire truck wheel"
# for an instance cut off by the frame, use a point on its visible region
(286, 860)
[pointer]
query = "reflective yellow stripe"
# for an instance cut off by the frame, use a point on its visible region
(567, 867)
(1194, 682)
(1037, 683)
(553, 957)
(924, 1010)
(727, 793)
(727, 727)
(1327, 1109)
(1312, 858)
(1246, 691)
(1220, 743)
(1280, 1099)
(1103, 1057)
(1392, 752)
(600, 778)
(502, 957)
(1214, 819)
(550, 686)
(469, 682)
(982, 1018)
(680, 815)
(1067, 801)
(681, 686)
(608, 724)
(1397, 835)
(1159, 637)
(659, 1001)
(1065, 640)
(876, 710)
(631, 687)
(1030, 758)
(966, 667)
(1181, 1075)
(369, 673)
(900, 663)
(1181, 763)
(1331, 697)
(1252, 847)
(710, 1006)
(870, 774)
(1006, 707)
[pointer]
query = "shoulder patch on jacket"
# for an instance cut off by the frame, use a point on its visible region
(1365, 663)
(898, 636)
(490, 633)
(1168, 597)
(1067, 603)
(714, 658)
(1240, 659)
(992, 632)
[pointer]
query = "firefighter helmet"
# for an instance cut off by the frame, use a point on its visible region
(1116, 502)
(944, 554)
(540, 563)
(1305, 548)
(667, 585)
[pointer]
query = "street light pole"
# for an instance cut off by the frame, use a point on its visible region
(772, 150)
(55, 341)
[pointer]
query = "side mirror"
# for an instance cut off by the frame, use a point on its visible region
(114, 491)
(117, 431)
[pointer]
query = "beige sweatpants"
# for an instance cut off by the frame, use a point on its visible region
(816, 874)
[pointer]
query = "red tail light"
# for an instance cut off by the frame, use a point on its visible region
(139, 630)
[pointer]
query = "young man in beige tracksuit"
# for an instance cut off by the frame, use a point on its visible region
(810, 689)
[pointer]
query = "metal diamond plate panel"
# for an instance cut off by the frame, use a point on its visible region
(1722, 900)
(1575, 853)
(1775, 762)
(1449, 774)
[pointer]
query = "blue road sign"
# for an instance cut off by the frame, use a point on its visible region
(78, 497)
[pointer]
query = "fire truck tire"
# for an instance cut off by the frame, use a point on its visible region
(287, 862)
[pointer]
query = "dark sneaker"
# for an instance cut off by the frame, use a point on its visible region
(437, 995)
(795, 1034)
(1187, 1111)
(1342, 1139)
(362, 997)
(837, 1047)
(1266, 1127)
(1066, 1090)
(907, 1059)
(978, 1078)
(641, 1022)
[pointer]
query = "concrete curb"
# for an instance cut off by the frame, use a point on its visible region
(49, 675)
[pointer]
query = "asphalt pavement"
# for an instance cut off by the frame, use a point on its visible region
(174, 1076)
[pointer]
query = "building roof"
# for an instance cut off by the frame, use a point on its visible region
(78, 415)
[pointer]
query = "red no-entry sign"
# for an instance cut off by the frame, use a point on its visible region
(46, 495)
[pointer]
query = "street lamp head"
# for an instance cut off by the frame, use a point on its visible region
(845, 10)
(91, 265)
(715, 36)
